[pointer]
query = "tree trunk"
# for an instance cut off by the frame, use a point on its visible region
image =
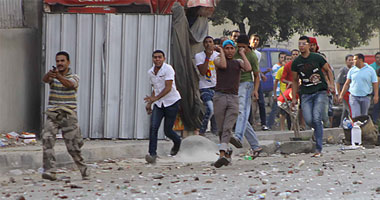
(250, 31)
(242, 28)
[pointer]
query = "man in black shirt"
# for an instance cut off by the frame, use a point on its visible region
(313, 88)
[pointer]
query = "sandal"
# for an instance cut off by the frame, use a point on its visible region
(256, 152)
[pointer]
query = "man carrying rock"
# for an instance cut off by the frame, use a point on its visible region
(226, 99)
(313, 88)
(62, 114)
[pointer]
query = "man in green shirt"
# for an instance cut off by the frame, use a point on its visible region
(247, 84)
(376, 66)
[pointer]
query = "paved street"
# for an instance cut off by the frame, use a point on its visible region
(350, 174)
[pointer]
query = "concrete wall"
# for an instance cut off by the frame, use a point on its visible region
(20, 75)
(19, 80)
(335, 55)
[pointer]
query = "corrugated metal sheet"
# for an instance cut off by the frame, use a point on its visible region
(111, 54)
(11, 15)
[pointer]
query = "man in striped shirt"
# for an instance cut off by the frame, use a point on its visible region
(61, 114)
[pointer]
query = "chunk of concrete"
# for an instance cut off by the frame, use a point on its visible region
(289, 147)
(269, 146)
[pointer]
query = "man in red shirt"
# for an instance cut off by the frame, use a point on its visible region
(287, 73)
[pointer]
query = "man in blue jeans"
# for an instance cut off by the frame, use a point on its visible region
(165, 99)
(313, 88)
(246, 86)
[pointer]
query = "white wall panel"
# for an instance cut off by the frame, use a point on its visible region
(114, 48)
(97, 78)
(84, 68)
(146, 44)
(128, 92)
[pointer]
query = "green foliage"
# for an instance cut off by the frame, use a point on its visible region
(349, 23)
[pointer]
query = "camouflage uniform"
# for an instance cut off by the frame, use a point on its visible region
(65, 119)
(61, 114)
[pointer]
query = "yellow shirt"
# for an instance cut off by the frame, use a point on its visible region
(278, 77)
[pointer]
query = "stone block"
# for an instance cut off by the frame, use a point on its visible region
(289, 147)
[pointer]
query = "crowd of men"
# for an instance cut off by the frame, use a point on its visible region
(229, 78)
(303, 79)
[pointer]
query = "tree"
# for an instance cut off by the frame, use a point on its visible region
(349, 23)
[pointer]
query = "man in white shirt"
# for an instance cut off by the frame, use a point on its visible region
(165, 99)
(254, 43)
(207, 80)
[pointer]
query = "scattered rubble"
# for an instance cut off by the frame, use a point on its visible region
(159, 176)
(294, 176)
(16, 172)
(15, 139)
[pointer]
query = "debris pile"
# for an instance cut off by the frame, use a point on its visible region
(15, 139)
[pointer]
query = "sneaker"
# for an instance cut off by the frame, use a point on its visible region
(85, 174)
(221, 161)
(236, 142)
(150, 159)
(49, 176)
(265, 128)
(175, 149)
